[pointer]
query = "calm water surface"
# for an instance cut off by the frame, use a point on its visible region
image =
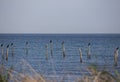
(102, 50)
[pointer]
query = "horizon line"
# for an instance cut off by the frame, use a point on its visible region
(59, 33)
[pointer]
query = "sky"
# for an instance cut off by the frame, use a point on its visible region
(59, 16)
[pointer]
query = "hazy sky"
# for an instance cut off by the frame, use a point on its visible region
(59, 16)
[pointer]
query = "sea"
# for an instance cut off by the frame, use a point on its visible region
(31, 53)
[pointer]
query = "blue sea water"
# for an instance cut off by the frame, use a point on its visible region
(102, 51)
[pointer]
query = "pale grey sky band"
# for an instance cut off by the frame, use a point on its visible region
(59, 16)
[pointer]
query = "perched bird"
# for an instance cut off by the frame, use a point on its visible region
(26, 43)
(1, 45)
(11, 44)
(50, 41)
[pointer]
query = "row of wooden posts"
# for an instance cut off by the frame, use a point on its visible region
(63, 50)
(80, 52)
(7, 51)
(51, 51)
(46, 46)
(5, 56)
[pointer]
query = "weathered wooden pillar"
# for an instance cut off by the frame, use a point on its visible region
(80, 52)
(7, 52)
(51, 50)
(26, 48)
(63, 49)
(2, 51)
(116, 56)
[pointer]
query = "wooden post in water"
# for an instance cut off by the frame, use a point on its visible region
(51, 51)
(88, 52)
(12, 48)
(116, 56)
(80, 52)
(7, 50)
(26, 48)
(46, 47)
(63, 49)
(2, 51)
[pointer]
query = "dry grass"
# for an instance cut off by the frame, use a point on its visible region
(98, 76)
(28, 79)
(10, 75)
